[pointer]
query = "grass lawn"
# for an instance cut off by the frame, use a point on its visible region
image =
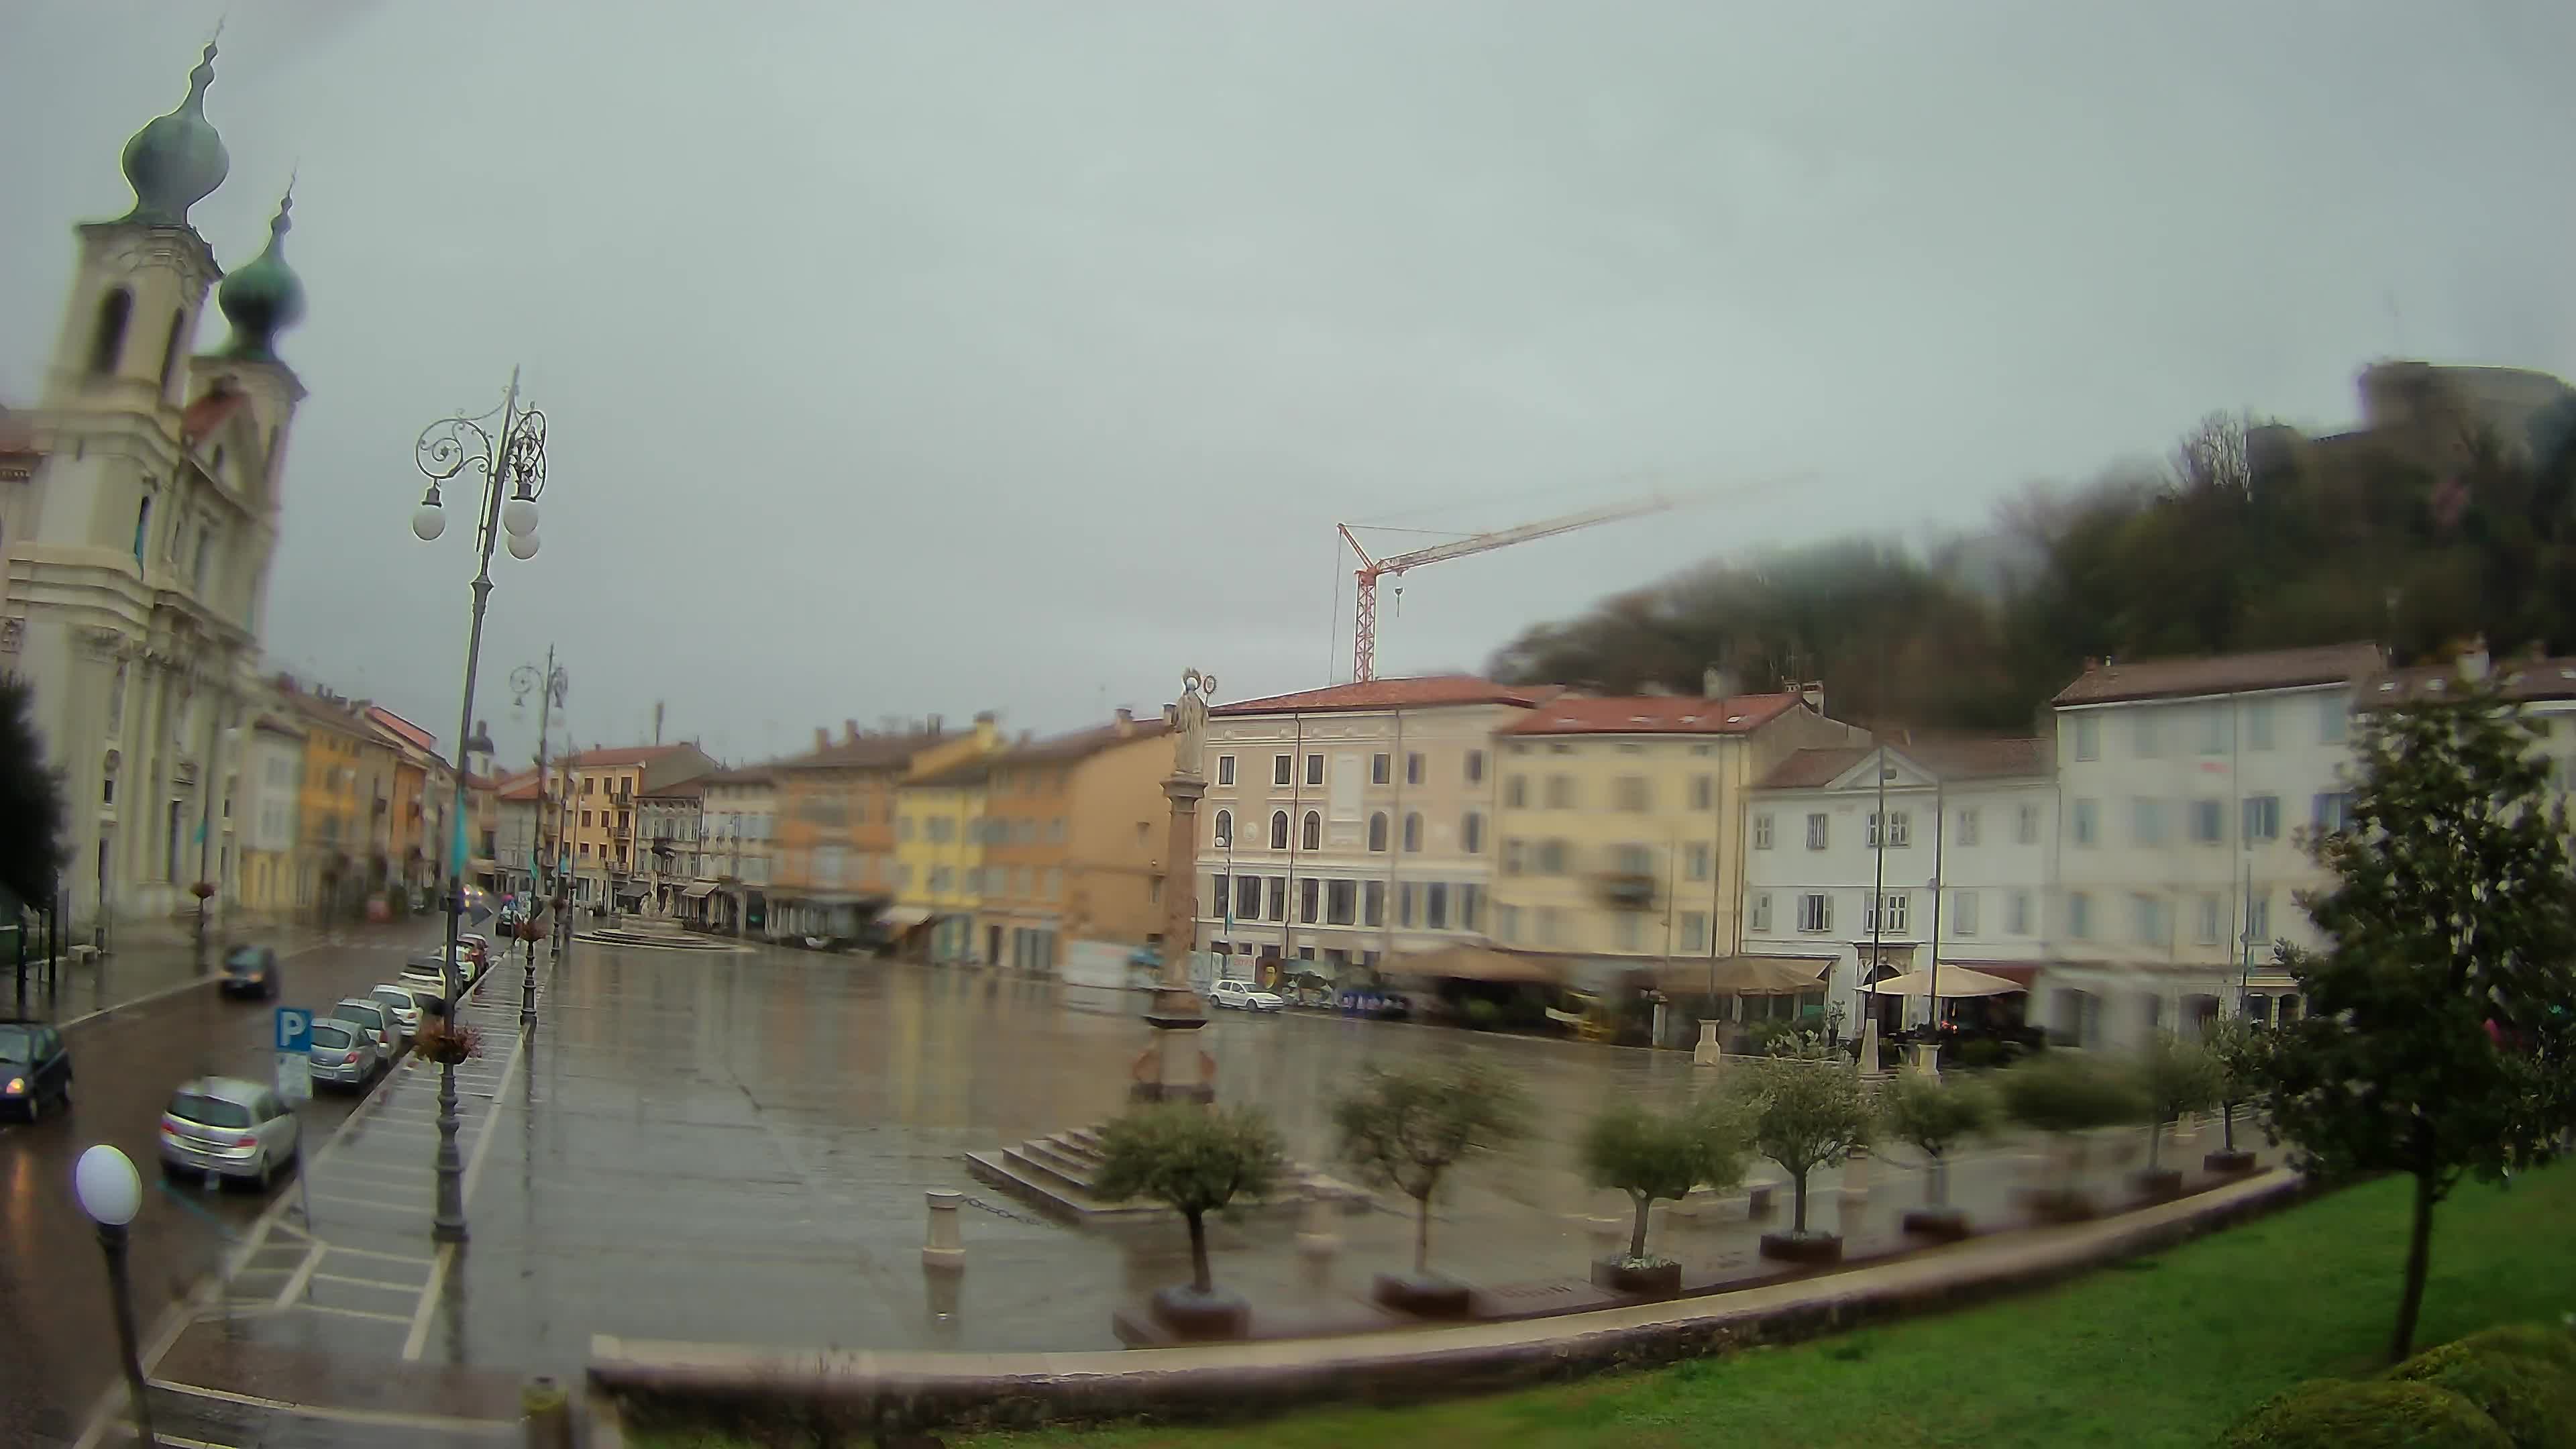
(2166, 1350)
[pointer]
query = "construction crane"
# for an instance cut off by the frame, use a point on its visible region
(1364, 619)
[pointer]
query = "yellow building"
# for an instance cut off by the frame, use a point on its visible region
(1621, 822)
(345, 762)
(939, 841)
(601, 830)
(1074, 832)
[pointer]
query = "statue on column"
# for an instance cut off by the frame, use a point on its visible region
(1188, 719)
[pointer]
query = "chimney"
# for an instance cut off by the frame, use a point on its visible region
(2473, 660)
(988, 728)
(1715, 682)
(822, 738)
(850, 731)
(1126, 724)
(1813, 695)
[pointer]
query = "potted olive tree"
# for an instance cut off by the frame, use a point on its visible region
(1652, 1155)
(1806, 1109)
(2238, 1048)
(1193, 1160)
(2066, 1094)
(1934, 1117)
(2176, 1077)
(1405, 1127)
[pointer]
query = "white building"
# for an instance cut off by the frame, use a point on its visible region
(1960, 873)
(137, 550)
(2185, 786)
(1359, 818)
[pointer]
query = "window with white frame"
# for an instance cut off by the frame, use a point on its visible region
(1516, 792)
(1413, 767)
(1818, 825)
(1381, 769)
(1894, 906)
(2026, 825)
(1963, 912)
(1762, 831)
(2262, 818)
(1225, 769)
(2085, 823)
(1283, 769)
(1695, 860)
(1560, 792)
(2258, 920)
(2258, 725)
(2331, 811)
(2208, 821)
(2017, 913)
(1815, 912)
(1314, 769)
(1900, 829)
(1412, 831)
(1511, 857)
(2148, 921)
(1475, 767)
(1758, 912)
(2088, 737)
(2079, 915)
(2147, 733)
(1694, 931)
(2207, 922)
(1703, 792)
(1471, 833)
(2333, 720)
(2213, 730)
(1970, 827)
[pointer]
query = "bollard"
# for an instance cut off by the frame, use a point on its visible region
(1317, 1243)
(545, 1413)
(946, 1247)
(1706, 1052)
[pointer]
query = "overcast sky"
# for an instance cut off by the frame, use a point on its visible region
(946, 356)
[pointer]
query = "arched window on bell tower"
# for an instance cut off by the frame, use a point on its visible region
(170, 351)
(107, 342)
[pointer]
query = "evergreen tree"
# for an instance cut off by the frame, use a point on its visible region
(31, 801)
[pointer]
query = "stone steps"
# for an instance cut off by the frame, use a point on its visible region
(1057, 1173)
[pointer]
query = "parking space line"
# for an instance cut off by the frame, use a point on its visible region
(428, 1304)
(394, 1207)
(391, 1418)
(377, 1283)
(303, 1274)
(353, 1312)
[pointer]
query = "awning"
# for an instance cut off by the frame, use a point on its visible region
(903, 918)
(1744, 976)
(699, 891)
(1955, 981)
(1480, 963)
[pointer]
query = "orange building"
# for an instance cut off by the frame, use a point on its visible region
(1073, 831)
(836, 814)
(604, 785)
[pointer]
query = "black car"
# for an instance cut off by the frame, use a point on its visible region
(251, 971)
(35, 1069)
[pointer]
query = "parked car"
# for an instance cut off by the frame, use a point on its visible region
(426, 979)
(343, 1053)
(226, 1128)
(1242, 996)
(371, 1016)
(35, 1068)
(401, 1001)
(251, 971)
(480, 947)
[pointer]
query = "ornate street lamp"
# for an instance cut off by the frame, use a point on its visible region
(513, 465)
(550, 688)
(111, 1194)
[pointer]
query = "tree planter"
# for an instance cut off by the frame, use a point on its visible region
(2159, 1184)
(1640, 1278)
(1948, 1225)
(1803, 1247)
(2228, 1162)
(1422, 1295)
(1192, 1314)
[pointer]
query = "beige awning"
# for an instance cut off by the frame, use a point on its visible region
(903, 918)
(1954, 981)
(1745, 976)
(1466, 962)
(699, 891)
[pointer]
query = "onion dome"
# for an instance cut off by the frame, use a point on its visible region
(263, 297)
(177, 160)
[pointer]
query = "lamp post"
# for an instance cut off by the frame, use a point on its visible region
(111, 1194)
(550, 687)
(512, 463)
(208, 781)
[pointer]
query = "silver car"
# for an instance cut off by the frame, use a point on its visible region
(372, 1016)
(402, 1003)
(343, 1053)
(228, 1129)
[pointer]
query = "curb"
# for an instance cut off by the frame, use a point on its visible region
(857, 1391)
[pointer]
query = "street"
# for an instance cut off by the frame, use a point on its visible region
(57, 1339)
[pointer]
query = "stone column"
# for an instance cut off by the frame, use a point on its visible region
(1173, 1069)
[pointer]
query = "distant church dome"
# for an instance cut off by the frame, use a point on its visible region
(264, 297)
(177, 160)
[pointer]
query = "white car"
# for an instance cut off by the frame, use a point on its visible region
(1240, 994)
(403, 1002)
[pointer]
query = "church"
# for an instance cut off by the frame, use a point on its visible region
(138, 525)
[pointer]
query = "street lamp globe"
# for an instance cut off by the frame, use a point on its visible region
(523, 546)
(429, 520)
(519, 515)
(109, 1190)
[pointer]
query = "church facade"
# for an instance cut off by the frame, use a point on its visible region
(139, 541)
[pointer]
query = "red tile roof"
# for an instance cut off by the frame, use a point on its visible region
(866, 752)
(1428, 692)
(621, 755)
(1082, 744)
(2221, 674)
(1961, 757)
(2515, 679)
(685, 790)
(759, 774)
(1653, 714)
(209, 411)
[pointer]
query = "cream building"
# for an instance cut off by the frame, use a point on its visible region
(1347, 825)
(138, 549)
(2184, 786)
(1621, 824)
(738, 821)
